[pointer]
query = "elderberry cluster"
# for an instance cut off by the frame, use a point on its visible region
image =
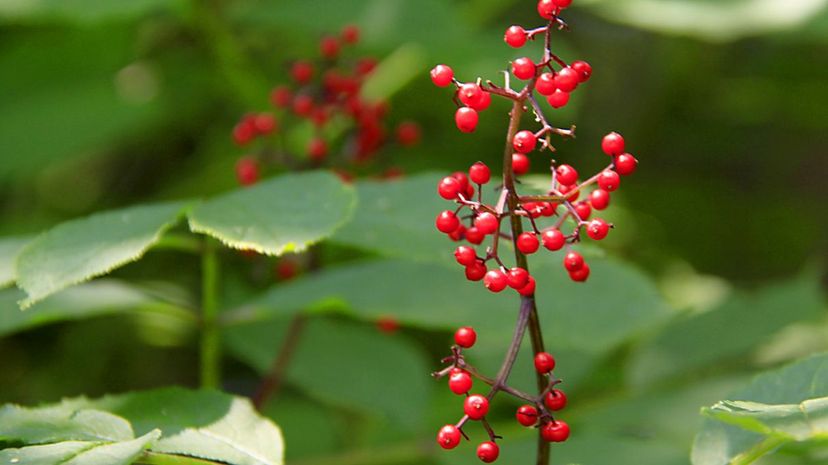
(536, 413)
(324, 90)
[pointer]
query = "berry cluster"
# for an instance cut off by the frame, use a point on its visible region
(325, 95)
(536, 413)
(569, 200)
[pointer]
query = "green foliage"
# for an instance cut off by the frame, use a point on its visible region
(81, 453)
(9, 248)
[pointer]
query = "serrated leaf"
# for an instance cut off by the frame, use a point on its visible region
(79, 250)
(61, 423)
(284, 214)
(81, 453)
(9, 249)
(718, 443)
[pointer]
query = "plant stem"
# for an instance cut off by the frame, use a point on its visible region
(210, 337)
(271, 383)
(758, 451)
(152, 458)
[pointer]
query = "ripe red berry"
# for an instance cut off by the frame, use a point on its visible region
(481, 103)
(474, 236)
(599, 199)
(487, 223)
(544, 362)
(465, 337)
(625, 164)
(408, 133)
(518, 278)
(247, 171)
(350, 34)
(388, 324)
(281, 96)
(567, 79)
(527, 415)
(479, 173)
(476, 406)
(462, 179)
(515, 36)
(442, 75)
(465, 255)
(523, 68)
(527, 243)
(302, 71)
(470, 94)
(583, 69)
(448, 437)
(609, 180)
(553, 239)
(548, 208)
(317, 149)
(456, 235)
(466, 119)
(566, 175)
(555, 431)
(488, 451)
(562, 3)
(580, 275)
(476, 271)
(449, 187)
(447, 222)
(583, 210)
(524, 141)
(529, 288)
(243, 132)
(545, 84)
(460, 382)
(329, 47)
(546, 8)
(495, 280)
(558, 99)
(555, 400)
(570, 192)
(613, 144)
(520, 163)
(597, 229)
(303, 105)
(573, 261)
(264, 123)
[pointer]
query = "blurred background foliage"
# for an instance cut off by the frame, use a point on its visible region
(716, 269)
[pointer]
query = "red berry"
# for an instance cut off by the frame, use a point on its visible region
(449, 187)
(580, 275)
(555, 431)
(247, 171)
(597, 229)
(599, 199)
(544, 362)
(302, 71)
(487, 223)
(408, 133)
(555, 400)
(523, 68)
(448, 437)
(470, 94)
(520, 163)
(462, 179)
(317, 149)
(528, 243)
(459, 382)
(466, 119)
(518, 278)
(553, 239)
(573, 261)
(545, 84)
(465, 337)
(529, 288)
(244, 132)
(388, 324)
(329, 47)
(546, 8)
(488, 451)
(562, 3)
(548, 209)
(609, 180)
(583, 210)
(583, 69)
(558, 99)
(524, 141)
(515, 36)
(527, 415)
(350, 34)
(447, 222)
(442, 75)
(474, 236)
(567, 79)
(456, 235)
(476, 406)
(570, 192)
(495, 280)
(567, 175)
(481, 103)
(264, 123)
(281, 96)
(625, 164)
(613, 144)
(365, 66)
(480, 173)
(465, 255)
(476, 272)
(303, 105)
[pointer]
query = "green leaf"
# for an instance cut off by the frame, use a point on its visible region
(81, 453)
(344, 364)
(79, 250)
(731, 330)
(9, 248)
(778, 406)
(89, 300)
(59, 423)
(82, 10)
(284, 214)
